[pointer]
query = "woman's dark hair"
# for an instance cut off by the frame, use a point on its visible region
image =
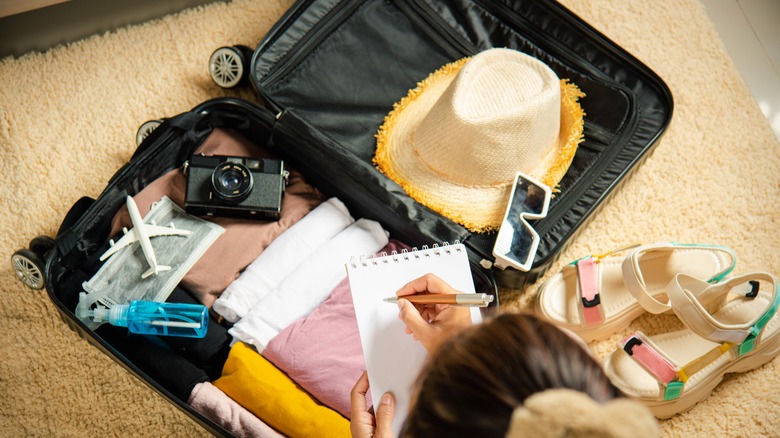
(475, 379)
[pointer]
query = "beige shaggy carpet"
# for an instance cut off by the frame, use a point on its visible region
(68, 118)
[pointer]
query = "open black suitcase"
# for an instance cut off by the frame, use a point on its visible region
(329, 72)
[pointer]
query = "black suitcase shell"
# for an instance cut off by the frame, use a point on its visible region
(329, 139)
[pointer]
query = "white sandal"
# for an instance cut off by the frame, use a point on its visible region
(598, 295)
(732, 327)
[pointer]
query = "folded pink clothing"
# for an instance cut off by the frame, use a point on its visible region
(243, 239)
(223, 410)
(322, 352)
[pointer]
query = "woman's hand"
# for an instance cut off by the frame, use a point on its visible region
(363, 423)
(431, 323)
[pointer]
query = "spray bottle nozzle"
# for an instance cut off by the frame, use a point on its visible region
(100, 313)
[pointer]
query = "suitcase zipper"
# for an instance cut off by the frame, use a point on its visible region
(598, 135)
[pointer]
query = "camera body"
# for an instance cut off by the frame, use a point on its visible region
(241, 187)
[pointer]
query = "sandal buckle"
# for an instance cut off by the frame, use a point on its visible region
(754, 289)
(630, 344)
(591, 303)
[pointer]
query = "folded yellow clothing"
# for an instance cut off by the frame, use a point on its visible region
(267, 392)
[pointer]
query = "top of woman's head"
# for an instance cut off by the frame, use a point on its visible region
(473, 382)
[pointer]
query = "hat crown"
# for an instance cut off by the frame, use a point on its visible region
(500, 115)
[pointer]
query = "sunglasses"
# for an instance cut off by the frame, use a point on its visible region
(517, 241)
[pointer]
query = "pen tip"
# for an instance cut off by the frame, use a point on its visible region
(390, 300)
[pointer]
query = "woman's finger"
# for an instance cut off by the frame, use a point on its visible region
(384, 416)
(428, 283)
(357, 396)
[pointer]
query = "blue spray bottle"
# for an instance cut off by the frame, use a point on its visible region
(152, 318)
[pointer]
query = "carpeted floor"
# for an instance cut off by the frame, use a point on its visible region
(68, 119)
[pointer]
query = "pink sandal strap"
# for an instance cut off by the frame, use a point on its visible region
(646, 355)
(588, 274)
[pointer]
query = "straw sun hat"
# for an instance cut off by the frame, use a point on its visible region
(456, 141)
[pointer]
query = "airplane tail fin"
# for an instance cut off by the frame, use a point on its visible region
(155, 270)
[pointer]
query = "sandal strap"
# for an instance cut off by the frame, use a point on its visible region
(694, 301)
(589, 286)
(588, 274)
(644, 352)
(635, 282)
(725, 272)
(647, 355)
(749, 343)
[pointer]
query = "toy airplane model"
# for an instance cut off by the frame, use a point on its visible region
(142, 233)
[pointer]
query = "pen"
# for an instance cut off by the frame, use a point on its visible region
(470, 300)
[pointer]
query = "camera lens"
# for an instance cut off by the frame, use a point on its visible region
(231, 179)
(232, 182)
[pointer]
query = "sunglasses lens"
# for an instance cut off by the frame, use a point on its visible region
(516, 242)
(535, 199)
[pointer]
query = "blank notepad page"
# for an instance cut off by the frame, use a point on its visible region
(393, 358)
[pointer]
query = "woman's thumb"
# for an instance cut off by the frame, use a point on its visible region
(384, 416)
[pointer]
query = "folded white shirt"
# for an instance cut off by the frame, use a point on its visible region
(309, 285)
(281, 257)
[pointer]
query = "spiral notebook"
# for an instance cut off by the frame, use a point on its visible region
(393, 358)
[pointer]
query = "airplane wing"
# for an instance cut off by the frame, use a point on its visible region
(155, 230)
(129, 237)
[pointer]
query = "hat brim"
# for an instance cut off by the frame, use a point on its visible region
(477, 208)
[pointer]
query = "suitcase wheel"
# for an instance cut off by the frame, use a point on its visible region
(41, 245)
(229, 65)
(29, 268)
(145, 129)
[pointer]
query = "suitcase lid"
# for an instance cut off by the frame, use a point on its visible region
(333, 69)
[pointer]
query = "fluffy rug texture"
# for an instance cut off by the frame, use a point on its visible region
(68, 119)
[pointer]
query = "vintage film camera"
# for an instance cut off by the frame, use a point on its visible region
(240, 187)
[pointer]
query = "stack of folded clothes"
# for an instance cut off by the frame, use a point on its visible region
(297, 350)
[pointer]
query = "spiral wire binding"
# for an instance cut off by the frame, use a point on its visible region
(406, 255)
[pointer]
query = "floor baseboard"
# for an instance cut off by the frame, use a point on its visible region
(41, 29)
